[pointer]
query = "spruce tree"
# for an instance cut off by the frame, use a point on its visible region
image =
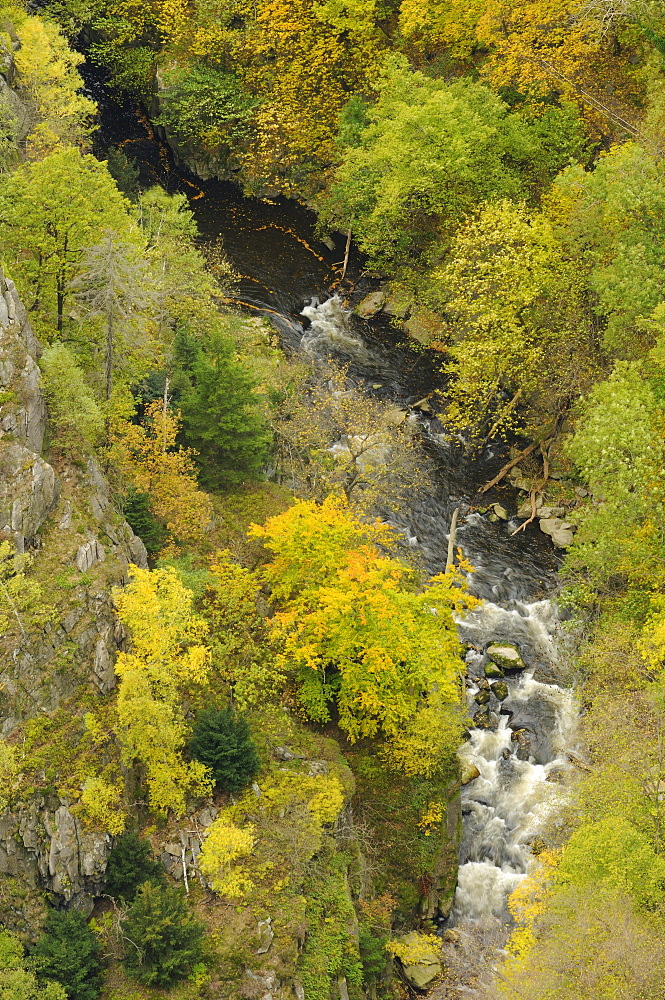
(220, 412)
(163, 937)
(222, 741)
(68, 953)
(130, 864)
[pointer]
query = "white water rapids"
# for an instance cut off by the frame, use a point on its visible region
(506, 807)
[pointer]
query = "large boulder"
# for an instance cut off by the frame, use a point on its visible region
(505, 656)
(428, 965)
(559, 531)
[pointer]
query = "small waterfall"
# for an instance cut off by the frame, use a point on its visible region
(330, 330)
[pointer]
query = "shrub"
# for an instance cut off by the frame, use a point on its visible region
(221, 740)
(164, 938)
(130, 864)
(68, 953)
(76, 419)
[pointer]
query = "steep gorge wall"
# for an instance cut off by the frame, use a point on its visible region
(80, 546)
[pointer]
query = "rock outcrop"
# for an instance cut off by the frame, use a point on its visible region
(80, 547)
(45, 846)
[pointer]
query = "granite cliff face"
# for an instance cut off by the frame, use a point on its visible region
(63, 517)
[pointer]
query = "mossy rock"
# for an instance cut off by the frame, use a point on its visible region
(506, 656)
(500, 690)
(482, 697)
(491, 670)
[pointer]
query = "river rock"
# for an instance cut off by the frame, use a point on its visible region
(428, 968)
(371, 304)
(500, 511)
(469, 771)
(482, 697)
(500, 690)
(491, 670)
(506, 656)
(523, 740)
(481, 718)
(559, 531)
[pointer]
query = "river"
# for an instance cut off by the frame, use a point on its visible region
(290, 275)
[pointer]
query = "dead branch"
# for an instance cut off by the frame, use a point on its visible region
(506, 468)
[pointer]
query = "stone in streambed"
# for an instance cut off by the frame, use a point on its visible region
(506, 656)
(481, 719)
(371, 304)
(559, 531)
(491, 670)
(469, 771)
(482, 697)
(500, 690)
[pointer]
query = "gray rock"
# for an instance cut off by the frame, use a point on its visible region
(559, 531)
(207, 815)
(500, 511)
(88, 554)
(29, 491)
(371, 304)
(506, 656)
(266, 936)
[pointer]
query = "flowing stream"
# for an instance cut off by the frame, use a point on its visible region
(289, 274)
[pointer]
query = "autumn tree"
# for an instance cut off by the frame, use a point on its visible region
(514, 302)
(239, 643)
(50, 213)
(430, 152)
(167, 661)
(353, 624)
(618, 450)
(50, 86)
(611, 222)
(22, 607)
(151, 461)
(75, 418)
(333, 436)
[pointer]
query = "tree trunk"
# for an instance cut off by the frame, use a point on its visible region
(109, 355)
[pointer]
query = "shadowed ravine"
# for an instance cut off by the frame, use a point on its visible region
(292, 277)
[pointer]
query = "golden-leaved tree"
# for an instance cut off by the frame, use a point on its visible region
(167, 663)
(149, 458)
(356, 629)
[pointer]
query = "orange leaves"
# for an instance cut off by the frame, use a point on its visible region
(147, 454)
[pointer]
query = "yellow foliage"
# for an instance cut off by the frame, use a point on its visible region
(528, 902)
(47, 71)
(9, 773)
(415, 948)
(167, 660)
(541, 47)
(147, 454)
(101, 804)
(431, 818)
(651, 643)
(224, 846)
